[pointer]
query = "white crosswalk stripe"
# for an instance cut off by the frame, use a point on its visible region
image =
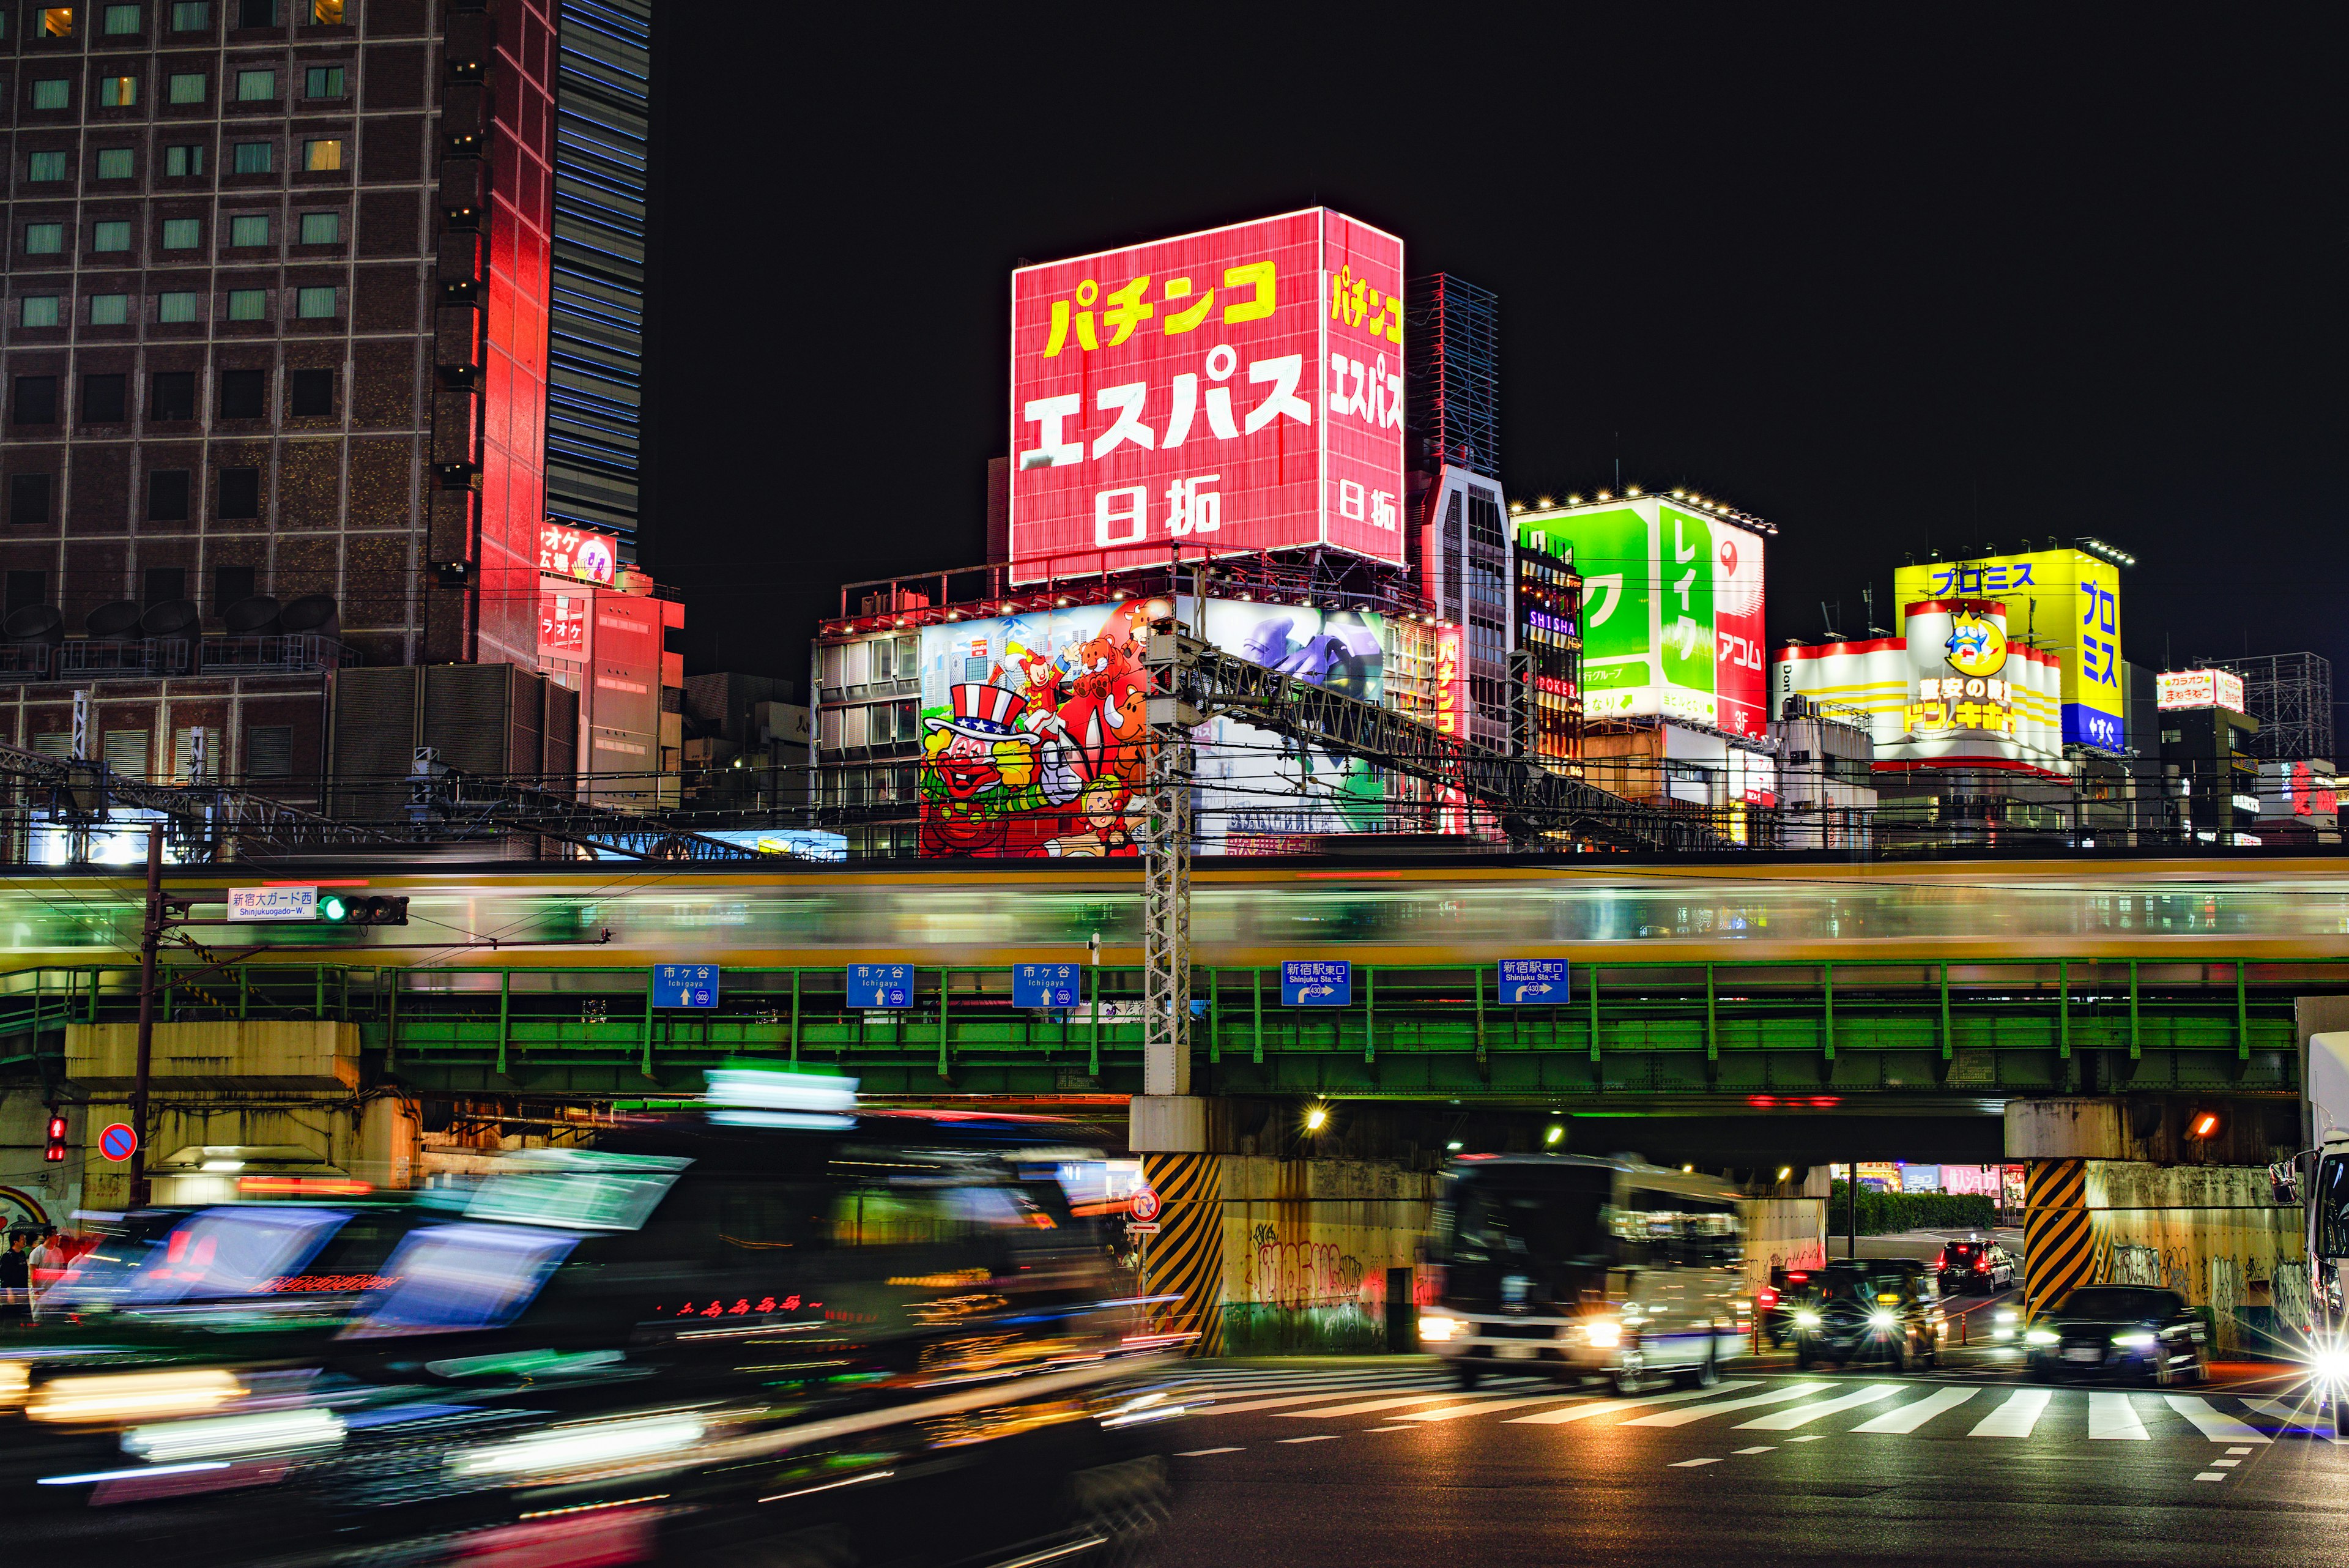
(2111, 1416)
(1609, 1407)
(1367, 1405)
(1706, 1412)
(1916, 1412)
(1455, 1412)
(1351, 1402)
(2214, 1424)
(2017, 1416)
(1804, 1415)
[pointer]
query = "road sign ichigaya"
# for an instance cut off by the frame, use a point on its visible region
(118, 1143)
(880, 985)
(685, 985)
(1045, 984)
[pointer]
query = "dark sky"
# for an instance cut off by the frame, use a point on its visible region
(1892, 287)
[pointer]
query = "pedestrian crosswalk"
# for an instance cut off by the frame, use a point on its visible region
(1396, 1399)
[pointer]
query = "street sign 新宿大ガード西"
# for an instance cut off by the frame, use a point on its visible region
(685, 985)
(872, 985)
(272, 903)
(1045, 984)
(1533, 982)
(1317, 982)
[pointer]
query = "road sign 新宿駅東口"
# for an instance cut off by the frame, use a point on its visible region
(880, 985)
(1533, 982)
(685, 985)
(1317, 982)
(1045, 984)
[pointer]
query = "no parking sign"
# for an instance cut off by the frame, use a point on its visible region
(118, 1143)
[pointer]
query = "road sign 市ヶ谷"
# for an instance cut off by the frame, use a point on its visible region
(1533, 982)
(1317, 982)
(880, 985)
(1045, 984)
(685, 985)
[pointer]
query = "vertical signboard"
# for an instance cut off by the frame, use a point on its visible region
(1740, 670)
(621, 711)
(1236, 389)
(1616, 551)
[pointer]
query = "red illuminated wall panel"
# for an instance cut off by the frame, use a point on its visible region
(521, 216)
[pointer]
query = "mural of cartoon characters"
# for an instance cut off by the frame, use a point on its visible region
(978, 773)
(1046, 757)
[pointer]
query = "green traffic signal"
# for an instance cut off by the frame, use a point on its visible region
(381, 909)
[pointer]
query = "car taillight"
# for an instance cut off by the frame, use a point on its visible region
(1981, 1265)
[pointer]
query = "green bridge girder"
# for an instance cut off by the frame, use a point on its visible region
(1874, 1032)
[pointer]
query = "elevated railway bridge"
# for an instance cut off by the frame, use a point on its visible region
(1748, 986)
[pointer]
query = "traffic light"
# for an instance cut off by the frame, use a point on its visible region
(55, 1151)
(366, 910)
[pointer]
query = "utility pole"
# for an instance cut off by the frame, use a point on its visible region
(151, 937)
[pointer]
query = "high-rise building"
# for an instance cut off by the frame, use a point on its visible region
(603, 117)
(276, 323)
(1452, 360)
(1548, 666)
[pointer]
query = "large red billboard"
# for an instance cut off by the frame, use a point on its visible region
(1234, 391)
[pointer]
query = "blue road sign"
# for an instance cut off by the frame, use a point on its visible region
(685, 985)
(1317, 982)
(1045, 984)
(880, 985)
(1533, 982)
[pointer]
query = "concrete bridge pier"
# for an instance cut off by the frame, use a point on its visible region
(2142, 1189)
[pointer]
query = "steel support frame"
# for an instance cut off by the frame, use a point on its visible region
(1166, 918)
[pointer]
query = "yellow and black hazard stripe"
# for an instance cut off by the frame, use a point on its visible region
(1187, 1256)
(2061, 1247)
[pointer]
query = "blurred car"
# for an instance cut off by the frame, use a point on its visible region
(1790, 1291)
(2134, 1331)
(1887, 1311)
(775, 1332)
(1974, 1264)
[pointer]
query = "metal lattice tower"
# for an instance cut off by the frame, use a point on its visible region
(2291, 694)
(1452, 366)
(1166, 914)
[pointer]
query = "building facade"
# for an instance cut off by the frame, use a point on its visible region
(275, 329)
(603, 130)
(1548, 667)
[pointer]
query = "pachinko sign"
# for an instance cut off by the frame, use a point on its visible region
(1233, 391)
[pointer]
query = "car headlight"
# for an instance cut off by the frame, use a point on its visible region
(2042, 1336)
(2140, 1341)
(1603, 1332)
(1806, 1319)
(1879, 1318)
(2330, 1364)
(1434, 1330)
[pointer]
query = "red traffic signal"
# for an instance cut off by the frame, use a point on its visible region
(55, 1151)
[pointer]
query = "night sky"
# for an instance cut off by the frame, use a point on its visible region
(1893, 290)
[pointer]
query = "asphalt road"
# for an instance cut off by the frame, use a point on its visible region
(1365, 1466)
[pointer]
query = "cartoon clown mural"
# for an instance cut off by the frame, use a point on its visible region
(978, 773)
(1045, 755)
